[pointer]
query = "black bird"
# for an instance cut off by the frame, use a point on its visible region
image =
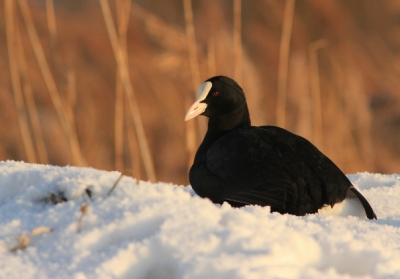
(267, 165)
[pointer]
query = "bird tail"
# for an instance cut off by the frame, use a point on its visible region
(352, 193)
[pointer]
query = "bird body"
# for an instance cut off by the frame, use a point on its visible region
(267, 165)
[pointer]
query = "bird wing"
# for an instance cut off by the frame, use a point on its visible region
(271, 166)
(319, 171)
(253, 170)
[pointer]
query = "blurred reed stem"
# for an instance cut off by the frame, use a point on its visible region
(65, 79)
(71, 87)
(355, 112)
(167, 35)
(30, 100)
(284, 63)
(316, 92)
(133, 148)
(129, 92)
(211, 65)
(119, 125)
(51, 23)
(237, 40)
(191, 43)
(58, 72)
(123, 8)
(62, 113)
(195, 75)
(123, 11)
(16, 82)
(190, 135)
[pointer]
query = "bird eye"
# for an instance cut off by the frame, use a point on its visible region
(215, 94)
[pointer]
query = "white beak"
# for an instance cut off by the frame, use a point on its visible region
(198, 107)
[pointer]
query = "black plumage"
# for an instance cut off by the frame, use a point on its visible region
(267, 165)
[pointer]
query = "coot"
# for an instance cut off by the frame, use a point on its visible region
(267, 165)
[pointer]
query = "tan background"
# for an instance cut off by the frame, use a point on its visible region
(343, 79)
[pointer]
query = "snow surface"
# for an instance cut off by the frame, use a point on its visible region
(144, 230)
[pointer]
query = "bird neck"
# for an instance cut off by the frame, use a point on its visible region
(219, 126)
(224, 123)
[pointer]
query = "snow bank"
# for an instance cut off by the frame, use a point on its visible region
(144, 230)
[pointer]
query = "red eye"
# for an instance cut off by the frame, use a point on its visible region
(215, 94)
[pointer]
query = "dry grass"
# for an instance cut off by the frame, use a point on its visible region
(84, 210)
(124, 75)
(113, 103)
(24, 239)
(237, 40)
(191, 134)
(30, 101)
(318, 137)
(211, 67)
(115, 184)
(61, 110)
(123, 13)
(284, 62)
(51, 23)
(16, 82)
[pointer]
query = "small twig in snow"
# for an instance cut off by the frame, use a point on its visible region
(84, 209)
(23, 241)
(40, 230)
(115, 184)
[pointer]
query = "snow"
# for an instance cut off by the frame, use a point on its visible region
(144, 230)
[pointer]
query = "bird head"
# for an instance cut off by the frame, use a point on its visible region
(217, 96)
